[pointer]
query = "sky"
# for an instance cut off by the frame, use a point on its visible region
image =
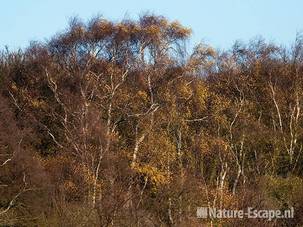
(216, 22)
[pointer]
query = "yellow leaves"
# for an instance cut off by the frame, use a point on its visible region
(14, 87)
(204, 146)
(25, 95)
(122, 28)
(85, 172)
(158, 153)
(140, 100)
(142, 95)
(220, 102)
(212, 145)
(201, 94)
(156, 176)
(38, 104)
(202, 58)
(171, 30)
(162, 148)
(69, 186)
(219, 144)
(153, 30)
(185, 91)
(219, 106)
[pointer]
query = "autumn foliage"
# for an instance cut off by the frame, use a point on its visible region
(118, 124)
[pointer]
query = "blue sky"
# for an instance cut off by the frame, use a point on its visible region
(216, 22)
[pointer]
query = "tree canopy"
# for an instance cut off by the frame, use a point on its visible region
(118, 124)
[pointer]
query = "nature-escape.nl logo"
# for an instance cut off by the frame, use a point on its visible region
(250, 212)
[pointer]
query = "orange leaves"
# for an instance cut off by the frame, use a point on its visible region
(70, 187)
(143, 96)
(153, 33)
(157, 29)
(99, 29)
(211, 145)
(14, 87)
(176, 30)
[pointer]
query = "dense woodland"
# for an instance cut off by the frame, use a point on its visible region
(119, 124)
